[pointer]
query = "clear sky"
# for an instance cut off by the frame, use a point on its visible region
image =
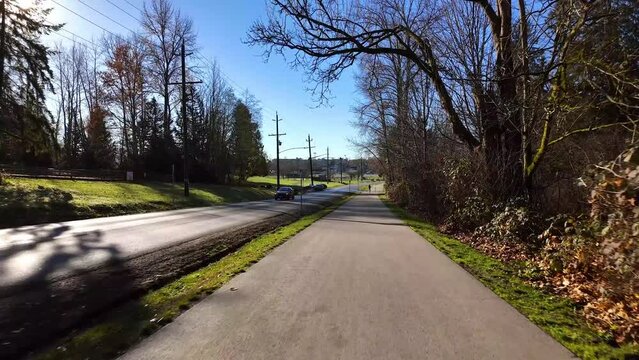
(221, 25)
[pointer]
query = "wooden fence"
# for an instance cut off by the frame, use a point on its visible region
(72, 174)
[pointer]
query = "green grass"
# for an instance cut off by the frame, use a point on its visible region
(556, 316)
(31, 201)
(293, 182)
(130, 323)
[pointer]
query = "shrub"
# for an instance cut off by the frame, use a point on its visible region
(399, 193)
(569, 245)
(465, 199)
(595, 258)
(470, 214)
(512, 222)
(614, 198)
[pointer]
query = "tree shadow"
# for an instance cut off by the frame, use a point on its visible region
(19, 241)
(57, 294)
(21, 205)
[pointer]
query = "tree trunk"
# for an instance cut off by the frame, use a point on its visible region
(501, 119)
(3, 50)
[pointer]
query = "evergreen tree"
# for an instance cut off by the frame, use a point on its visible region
(25, 129)
(100, 150)
(246, 141)
(258, 162)
(241, 140)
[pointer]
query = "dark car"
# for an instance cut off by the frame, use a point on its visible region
(285, 193)
(319, 187)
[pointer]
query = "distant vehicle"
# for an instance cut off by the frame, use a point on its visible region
(285, 193)
(319, 187)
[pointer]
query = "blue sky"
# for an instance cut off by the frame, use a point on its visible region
(221, 25)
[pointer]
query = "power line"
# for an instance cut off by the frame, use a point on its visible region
(106, 16)
(128, 2)
(82, 17)
(82, 38)
(71, 39)
(77, 36)
(124, 11)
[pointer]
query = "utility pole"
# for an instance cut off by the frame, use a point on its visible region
(310, 157)
(328, 174)
(184, 120)
(185, 124)
(278, 143)
(341, 169)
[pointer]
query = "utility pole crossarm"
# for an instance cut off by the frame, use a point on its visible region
(186, 82)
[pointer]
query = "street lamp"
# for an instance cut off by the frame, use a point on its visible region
(295, 148)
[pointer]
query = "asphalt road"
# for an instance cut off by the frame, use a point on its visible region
(53, 251)
(356, 285)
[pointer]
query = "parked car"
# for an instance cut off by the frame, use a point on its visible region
(285, 193)
(319, 187)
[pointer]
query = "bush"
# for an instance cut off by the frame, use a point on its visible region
(614, 198)
(512, 222)
(472, 213)
(569, 245)
(399, 193)
(595, 259)
(465, 200)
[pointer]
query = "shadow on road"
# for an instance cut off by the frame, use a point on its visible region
(36, 309)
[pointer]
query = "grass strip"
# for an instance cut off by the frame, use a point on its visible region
(127, 325)
(557, 316)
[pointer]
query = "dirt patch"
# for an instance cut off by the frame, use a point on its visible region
(33, 317)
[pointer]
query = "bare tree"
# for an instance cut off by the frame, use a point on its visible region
(482, 88)
(69, 65)
(165, 29)
(123, 83)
